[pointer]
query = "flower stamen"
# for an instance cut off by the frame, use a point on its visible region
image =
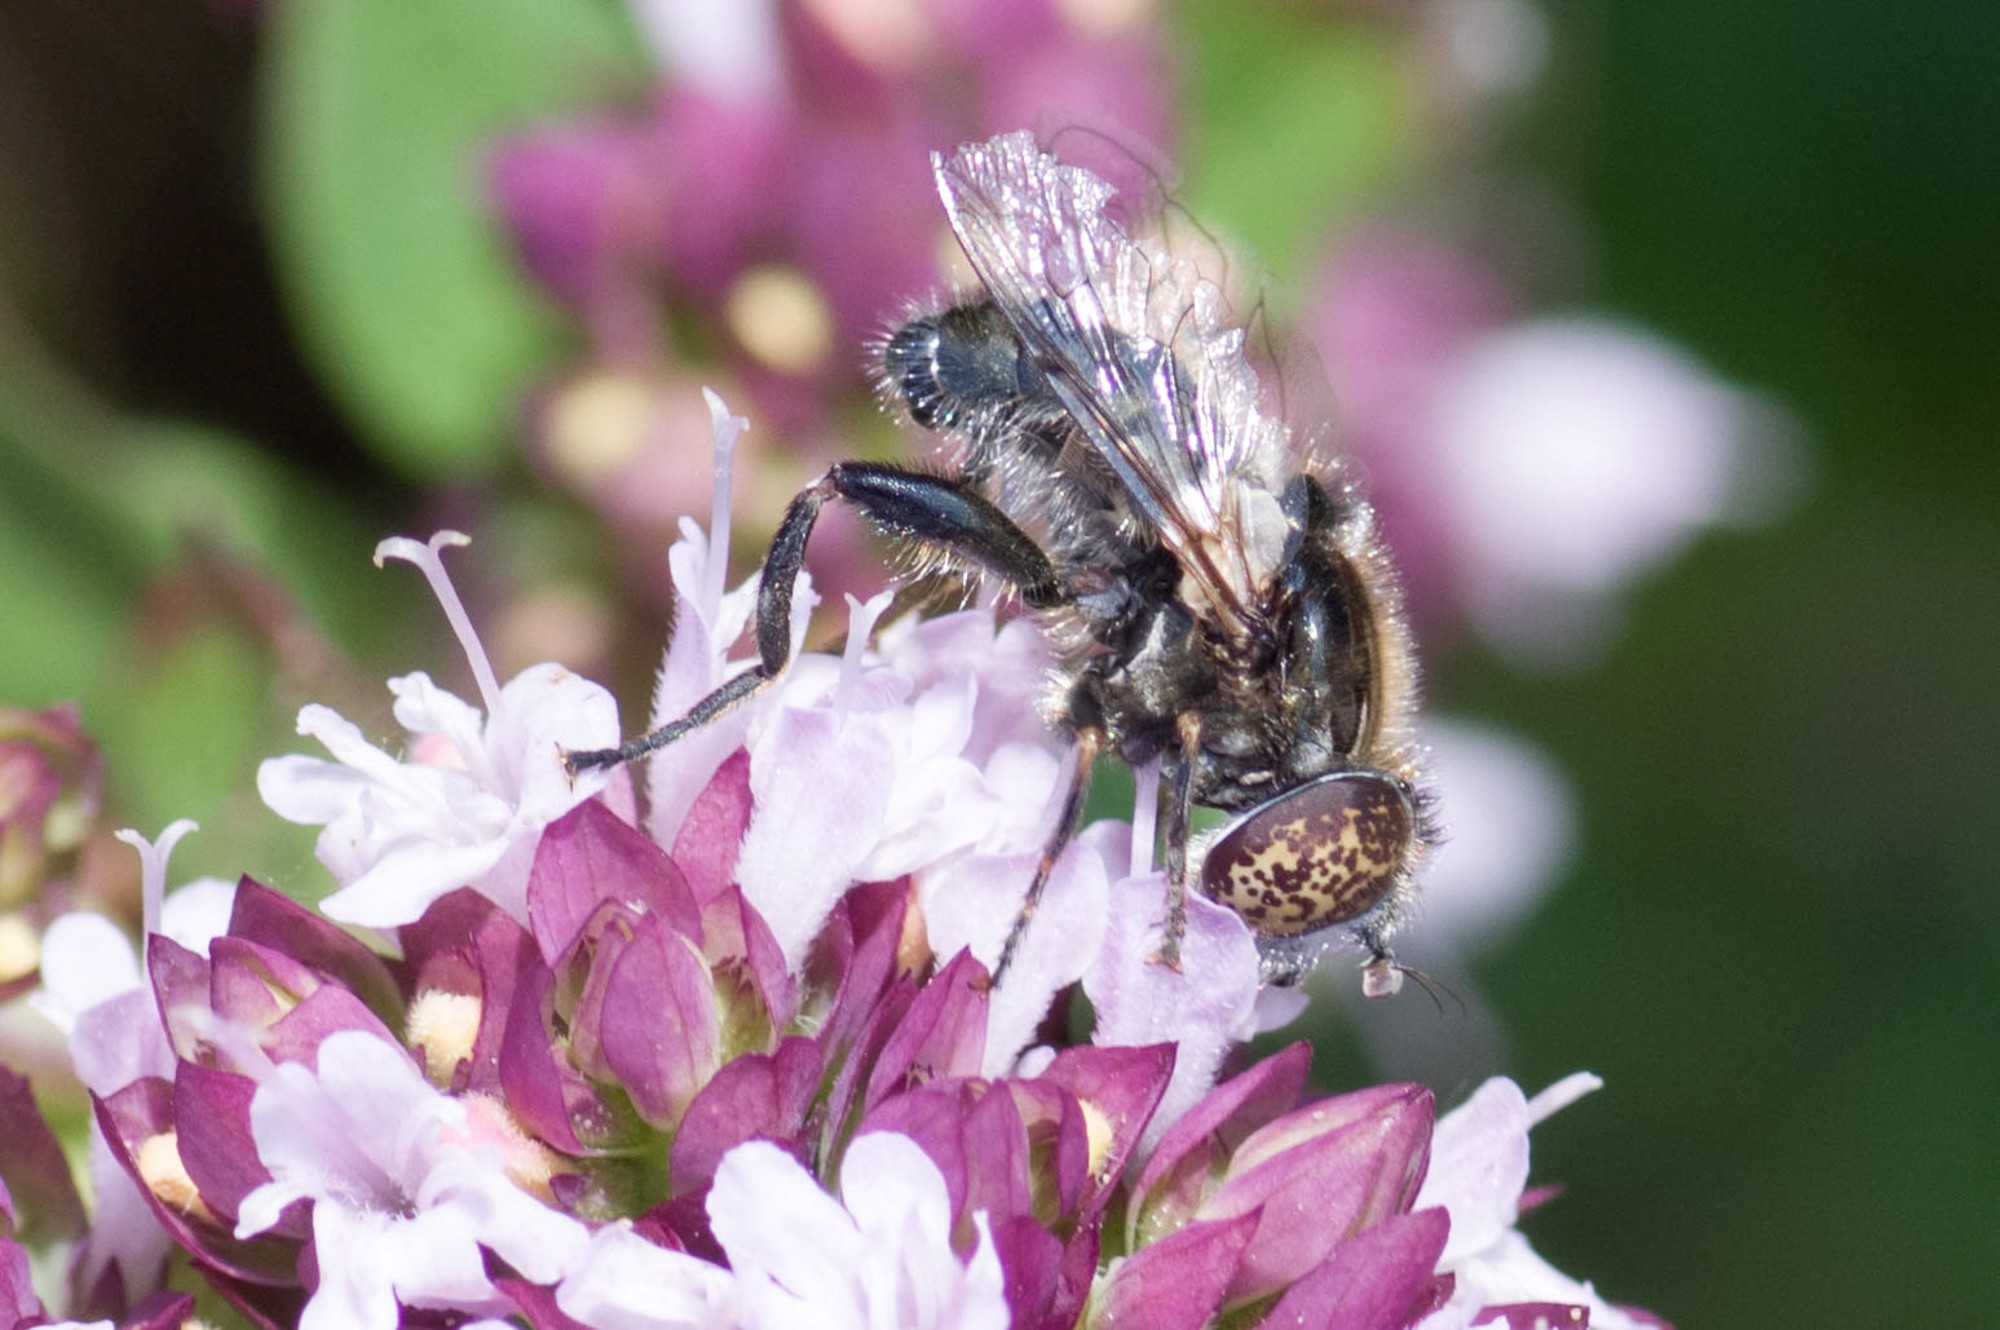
(1145, 817)
(425, 555)
(726, 429)
(861, 620)
(153, 856)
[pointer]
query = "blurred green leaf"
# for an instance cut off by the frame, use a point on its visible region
(182, 587)
(1295, 122)
(377, 114)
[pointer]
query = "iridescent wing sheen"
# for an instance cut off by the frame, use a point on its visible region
(1137, 347)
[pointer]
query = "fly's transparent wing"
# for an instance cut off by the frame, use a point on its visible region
(1137, 347)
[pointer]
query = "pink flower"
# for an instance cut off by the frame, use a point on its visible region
(743, 1062)
(51, 780)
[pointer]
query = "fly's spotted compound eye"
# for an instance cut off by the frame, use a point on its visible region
(1321, 854)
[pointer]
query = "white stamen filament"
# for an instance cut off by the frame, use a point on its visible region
(861, 619)
(726, 429)
(425, 557)
(1562, 1094)
(1145, 816)
(153, 871)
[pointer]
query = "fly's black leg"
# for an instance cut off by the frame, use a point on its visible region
(935, 511)
(1189, 727)
(1089, 742)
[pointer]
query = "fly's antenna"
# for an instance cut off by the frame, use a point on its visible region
(1433, 986)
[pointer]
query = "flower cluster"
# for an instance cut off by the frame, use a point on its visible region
(737, 1061)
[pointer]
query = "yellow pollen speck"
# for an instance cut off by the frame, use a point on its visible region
(529, 1164)
(444, 1026)
(597, 424)
(165, 1176)
(1097, 1131)
(781, 319)
(913, 946)
(1105, 18)
(889, 36)
(20, 948)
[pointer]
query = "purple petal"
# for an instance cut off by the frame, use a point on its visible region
(1382, 1279)
(1058, 1143)
(466, 944)
(943, 1034)
(1183, 1166)
(282, 924)
(581, 202)
(587, 857)
(36, 1176)
(19, 1306)
(1177, 1283)
(1536, 1316)
(539, 1086)
(180, 978)
(1359, 1171)
(1079, 1273)
(1121, 1086)
(997, 1160)
(661, 1034)
(537, 1305)
(758, 992)
(216, 1148)
(296, 1035)
(255, 983)
(711, 837)
(1377, 1107)
(137, 1114)
(165, 1310)
(756, 1095)
(856, 957)
(1031, 1257)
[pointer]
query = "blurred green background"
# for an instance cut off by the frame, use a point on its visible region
(1780, 943)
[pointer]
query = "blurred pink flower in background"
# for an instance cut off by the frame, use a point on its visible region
(760, 218)
(1527, 470)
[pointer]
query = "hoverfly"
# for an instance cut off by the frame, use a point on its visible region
(1214, 593)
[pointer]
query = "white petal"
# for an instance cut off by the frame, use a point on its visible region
(86, 959)
(403, 884)
(1479, 1166)
(781, 1230)
(1206, 1007)
(887, 1179)
(821, 791)
(198, 913)
(624, 1282)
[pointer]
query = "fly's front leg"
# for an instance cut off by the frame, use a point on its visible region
(933, 511)
(1179, 812)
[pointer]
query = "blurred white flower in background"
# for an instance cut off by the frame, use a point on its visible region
(1574, 455)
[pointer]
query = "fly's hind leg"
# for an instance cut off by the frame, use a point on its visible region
(1179, 812)
(936, 512)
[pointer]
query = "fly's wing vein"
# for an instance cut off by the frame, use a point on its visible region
(1137, 348)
